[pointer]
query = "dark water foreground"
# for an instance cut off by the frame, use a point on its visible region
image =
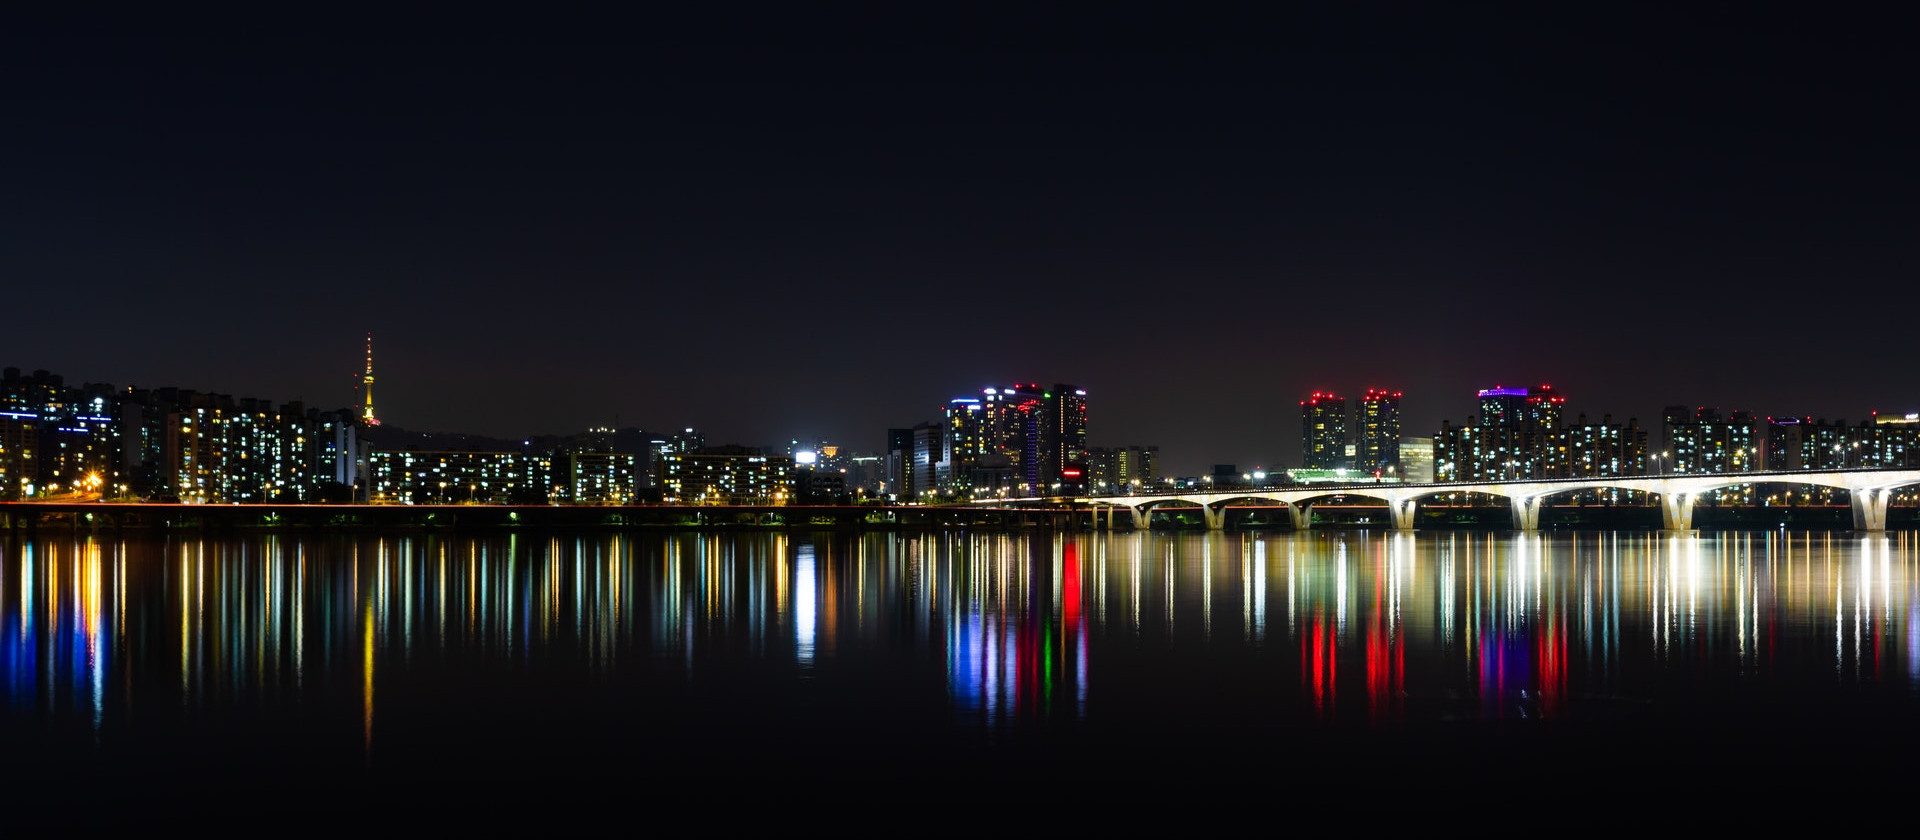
(903, 682)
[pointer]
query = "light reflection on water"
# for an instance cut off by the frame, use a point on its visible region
(1232, 633)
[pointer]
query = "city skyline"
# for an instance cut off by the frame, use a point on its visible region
(1492, 408)
(824, 227)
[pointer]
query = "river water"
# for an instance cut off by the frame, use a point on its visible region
(493, 679)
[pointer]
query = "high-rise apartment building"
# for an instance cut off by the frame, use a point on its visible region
(1708, 443)
(1323, 431)
(1378, 448)
(1892, 441)
(1605, 448)
(965, 447)
(1121, 470)
(727, 475)
(1796, 443)
(1535, 408)
(1518, 434)
(416, 477)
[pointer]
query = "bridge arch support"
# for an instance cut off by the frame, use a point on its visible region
(1402, 512)
(1301, 514)
(1870, 509)
(1676, 511)
(1215, 516)
(1526, 512)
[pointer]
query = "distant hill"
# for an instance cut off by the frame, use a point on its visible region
(393, 439)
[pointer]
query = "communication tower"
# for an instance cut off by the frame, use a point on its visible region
(366, 413)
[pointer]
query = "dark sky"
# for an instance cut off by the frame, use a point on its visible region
(812, 226)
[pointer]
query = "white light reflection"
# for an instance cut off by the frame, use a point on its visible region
(1401, 570)
(1206, 586)
(1839, 613)
(1518, 587)
(805, 605)
(1258, 624)
(1695, 574)
(1134, 562)
(1293, 588)
(1449, 589)
(1340, 594)
(1168, 561)
(1746, 603)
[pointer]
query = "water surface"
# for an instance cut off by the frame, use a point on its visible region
(480, 678)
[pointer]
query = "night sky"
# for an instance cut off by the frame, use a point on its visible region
(770, 227)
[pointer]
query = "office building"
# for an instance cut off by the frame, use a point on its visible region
(1416, 460)
(898, 465)
(1040, 434)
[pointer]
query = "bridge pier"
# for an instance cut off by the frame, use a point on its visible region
(1302, 516)
(1216, 517)
(1676, 511)
(1870, 509)
(1402, 511)
(1526, 512)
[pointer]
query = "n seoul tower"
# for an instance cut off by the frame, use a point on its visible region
(366, 414)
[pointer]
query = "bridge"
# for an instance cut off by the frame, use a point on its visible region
(1870, 490)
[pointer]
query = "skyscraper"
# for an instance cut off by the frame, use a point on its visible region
(1323, 431)
(1502, 407)
(1068, 449)
(1543, 408)
(899, 464)
(1517, 435)
(965, 448)
(1379, 421)
(1042, 432)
